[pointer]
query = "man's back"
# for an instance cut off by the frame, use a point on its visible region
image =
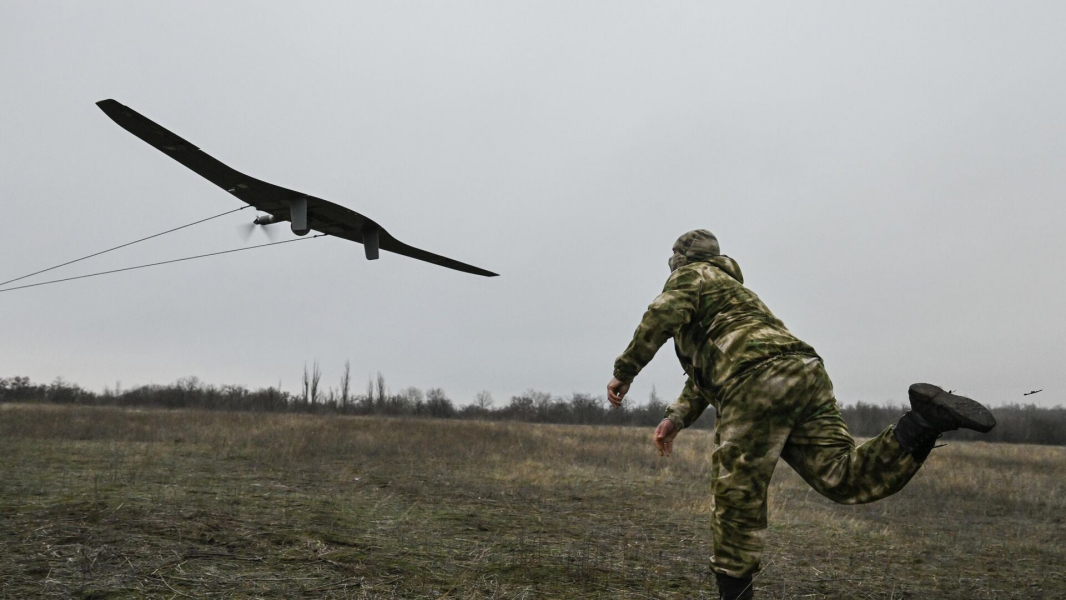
(733, 330)
(720, 328)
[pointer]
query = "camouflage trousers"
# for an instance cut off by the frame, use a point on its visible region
(786, 409)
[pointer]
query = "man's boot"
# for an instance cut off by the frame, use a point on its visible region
(734, 588)
(934, 411)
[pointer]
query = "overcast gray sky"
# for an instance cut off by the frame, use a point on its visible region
(889, 176)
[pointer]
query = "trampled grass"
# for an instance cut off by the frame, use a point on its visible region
(102, 503)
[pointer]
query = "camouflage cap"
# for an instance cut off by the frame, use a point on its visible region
(694, 246)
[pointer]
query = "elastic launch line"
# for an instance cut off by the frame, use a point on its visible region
(156, 264)
(117, 247)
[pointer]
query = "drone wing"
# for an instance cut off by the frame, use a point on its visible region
(321, 215)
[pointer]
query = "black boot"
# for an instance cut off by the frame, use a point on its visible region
(734, 588)
(916, 435)
(934, 411)
(948, 412)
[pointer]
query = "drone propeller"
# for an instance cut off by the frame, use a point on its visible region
(246, 230)
(260, 221)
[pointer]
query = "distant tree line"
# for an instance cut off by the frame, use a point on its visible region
(1016, 423)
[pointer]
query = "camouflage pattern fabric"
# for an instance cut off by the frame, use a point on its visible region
(689, 406)
(786, 409)
(694, 246)
(720, 328)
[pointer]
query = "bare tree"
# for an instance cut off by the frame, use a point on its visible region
(306, 385)
(346, 384)
(586, 408)
(484, 400)
(655, 406)
(316, 377)
(438, 404)
(381, 387)
(655, 402)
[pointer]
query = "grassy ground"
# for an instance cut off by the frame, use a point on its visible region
(103, 503)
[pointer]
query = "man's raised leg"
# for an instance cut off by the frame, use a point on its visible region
(823, 452)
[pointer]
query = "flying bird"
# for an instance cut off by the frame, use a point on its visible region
(1033, 392)
(303, 211)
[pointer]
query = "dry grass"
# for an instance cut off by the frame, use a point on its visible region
(101, 503)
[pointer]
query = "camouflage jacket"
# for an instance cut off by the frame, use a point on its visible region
(720, 329)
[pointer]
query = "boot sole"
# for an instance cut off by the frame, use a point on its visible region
(932, 401)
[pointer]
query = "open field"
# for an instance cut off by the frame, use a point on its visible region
(102, 503)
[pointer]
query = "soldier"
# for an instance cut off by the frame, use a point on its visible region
(773, 399)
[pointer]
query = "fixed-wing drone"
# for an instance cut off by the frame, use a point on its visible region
(303, 211)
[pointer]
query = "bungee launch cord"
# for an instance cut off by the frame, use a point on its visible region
(155, 264)
(117, 247)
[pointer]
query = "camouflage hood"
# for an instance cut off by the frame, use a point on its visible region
(700, 245)
(728, 265)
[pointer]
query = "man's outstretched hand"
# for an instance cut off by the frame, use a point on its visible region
(616, 391)
(664, 437)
